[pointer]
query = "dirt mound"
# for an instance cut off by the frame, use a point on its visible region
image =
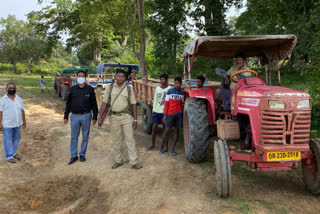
(50, 195)
(36, 148)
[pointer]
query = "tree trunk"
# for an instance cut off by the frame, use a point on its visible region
(175, 51)
(142, 60)
(14, 66)
(29, 65)
(96, 50)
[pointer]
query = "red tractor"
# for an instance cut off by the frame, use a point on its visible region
(65, 80)
(268, 126)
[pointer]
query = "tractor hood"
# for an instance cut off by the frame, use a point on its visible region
(276, 92)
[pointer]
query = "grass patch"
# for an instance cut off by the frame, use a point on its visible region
(274, 208)
(244, 208)
(244, 172)
(31, 83)
(59, 133)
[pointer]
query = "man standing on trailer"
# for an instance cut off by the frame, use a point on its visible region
(173, 110)
(158, 106)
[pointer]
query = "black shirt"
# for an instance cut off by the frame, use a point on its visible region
(81, 100)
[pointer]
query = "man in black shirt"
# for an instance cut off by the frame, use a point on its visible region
(81, 101)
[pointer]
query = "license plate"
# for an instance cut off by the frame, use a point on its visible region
(283, 156)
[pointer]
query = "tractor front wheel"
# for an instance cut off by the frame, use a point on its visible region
(311, 170)
(146, 115)
(223, 169)
(65, 92)
(195, 130)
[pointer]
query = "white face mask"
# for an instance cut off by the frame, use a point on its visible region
(81, 80)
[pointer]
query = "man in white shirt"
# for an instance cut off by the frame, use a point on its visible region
(158, 106)
(12, 118)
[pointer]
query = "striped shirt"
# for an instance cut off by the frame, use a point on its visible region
(174, 102)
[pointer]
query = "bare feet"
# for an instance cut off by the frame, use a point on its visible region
(150, 148)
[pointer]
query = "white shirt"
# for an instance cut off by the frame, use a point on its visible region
(159, 99)
(11, 111)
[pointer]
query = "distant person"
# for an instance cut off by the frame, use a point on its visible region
(42, 84)
(12, 118)
(200, 82)
(129, 73)
(173, 110)
(120, 100)
(81, 102)
(158, 106)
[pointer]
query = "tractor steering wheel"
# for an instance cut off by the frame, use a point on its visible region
(240, 72)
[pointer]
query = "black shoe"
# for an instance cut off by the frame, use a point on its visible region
(116, 165)
(72, 160)
(136, 166)
(11, 160)
(82, 159)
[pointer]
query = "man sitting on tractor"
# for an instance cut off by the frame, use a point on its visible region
(226, 92)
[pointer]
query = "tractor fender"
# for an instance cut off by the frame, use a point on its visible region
(206, 94)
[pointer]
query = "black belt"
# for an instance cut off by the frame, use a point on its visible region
(81, 113)
(118, 113)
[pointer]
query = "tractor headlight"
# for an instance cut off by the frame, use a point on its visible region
(303, 104)
(277, 104)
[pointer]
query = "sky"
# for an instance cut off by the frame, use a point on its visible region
(19, 8)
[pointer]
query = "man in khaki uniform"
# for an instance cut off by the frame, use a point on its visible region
(123, 118)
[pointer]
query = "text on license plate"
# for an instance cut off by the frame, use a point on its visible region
(283, 156)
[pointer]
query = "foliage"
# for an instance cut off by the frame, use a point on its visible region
(10, 39)
(214, 16)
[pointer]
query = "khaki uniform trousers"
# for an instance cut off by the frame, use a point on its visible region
(121, 129)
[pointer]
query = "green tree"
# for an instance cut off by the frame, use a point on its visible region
(210, 16)
(168, 26)
(12, 34)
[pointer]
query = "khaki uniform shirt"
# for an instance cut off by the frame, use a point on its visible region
(122, 101)
(233, 69)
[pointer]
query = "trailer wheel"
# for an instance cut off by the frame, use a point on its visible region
(65, 92)
(195, 130)
(311, 172)
(223, 169)
(99, 96)
(146, 116)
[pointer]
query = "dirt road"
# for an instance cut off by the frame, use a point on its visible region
(43, 182)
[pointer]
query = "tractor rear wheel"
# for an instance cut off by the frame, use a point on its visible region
(223, 169)
(311, 171)
(65, 92)
(196, 130)
(146, 116)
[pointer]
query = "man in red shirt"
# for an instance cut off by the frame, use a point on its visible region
(173, 110)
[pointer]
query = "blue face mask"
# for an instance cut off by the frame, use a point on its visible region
(81, 80)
